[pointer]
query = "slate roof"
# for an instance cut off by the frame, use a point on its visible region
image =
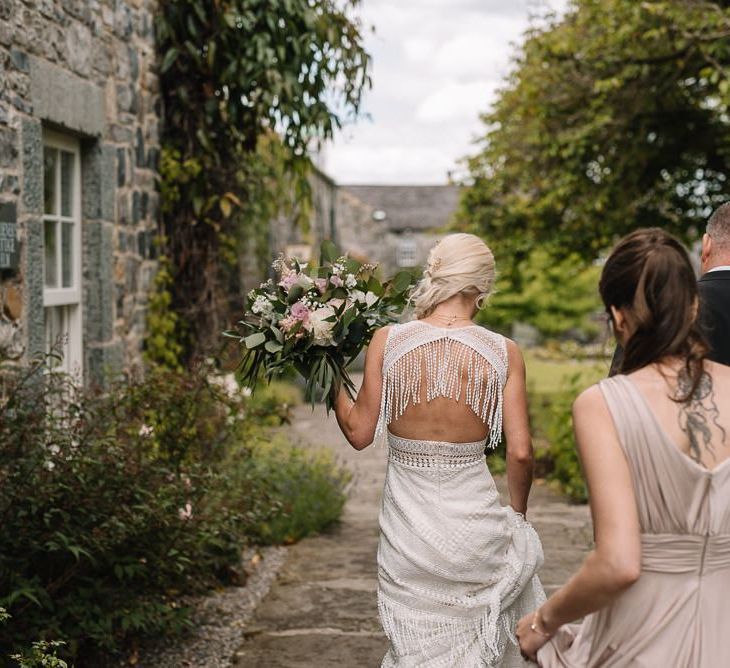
(415, 207)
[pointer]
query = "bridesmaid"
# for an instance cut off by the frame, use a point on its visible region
(654, 443)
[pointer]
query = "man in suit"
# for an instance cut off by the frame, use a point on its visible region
(713, 287)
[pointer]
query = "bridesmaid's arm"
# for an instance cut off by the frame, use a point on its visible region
(517, 431)
(615, 563)
(358, 418)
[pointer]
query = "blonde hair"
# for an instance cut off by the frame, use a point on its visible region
(458, 263)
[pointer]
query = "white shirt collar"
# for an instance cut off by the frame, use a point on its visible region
(722, 267)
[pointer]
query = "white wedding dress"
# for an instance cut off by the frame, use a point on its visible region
(456, 569)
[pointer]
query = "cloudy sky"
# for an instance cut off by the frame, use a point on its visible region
(436, 65)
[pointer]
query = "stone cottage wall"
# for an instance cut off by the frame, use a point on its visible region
(85, 68)
(286, 236)
(362, 235)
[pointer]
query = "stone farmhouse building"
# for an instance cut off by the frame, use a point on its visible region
(394, 226)
(80, 118)
(79, 147)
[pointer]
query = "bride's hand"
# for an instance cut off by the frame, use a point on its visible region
(530, 641)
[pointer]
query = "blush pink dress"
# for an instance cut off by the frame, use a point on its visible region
(677, 614)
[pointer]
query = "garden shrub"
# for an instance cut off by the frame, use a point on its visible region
(558, 460)
(43, 653)
(113, 505)
(308, 486)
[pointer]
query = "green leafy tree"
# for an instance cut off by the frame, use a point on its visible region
(555, 297)
(615, 116)
(248, 86)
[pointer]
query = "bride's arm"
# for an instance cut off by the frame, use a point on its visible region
(517, 431)
(615, 563)
(359, 418)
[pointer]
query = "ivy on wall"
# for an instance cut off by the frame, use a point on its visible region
(248, 87)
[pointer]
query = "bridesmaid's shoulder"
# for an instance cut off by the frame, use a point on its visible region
(720, 374)
(589, 401)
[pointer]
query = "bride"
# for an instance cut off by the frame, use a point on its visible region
(456, 569)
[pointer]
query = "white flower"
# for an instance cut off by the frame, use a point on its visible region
(263, 307)
(320, 328)
(305, 282)
(368, 299)
(145, 430)
(227, 382)
(186, 513)
(350, 281)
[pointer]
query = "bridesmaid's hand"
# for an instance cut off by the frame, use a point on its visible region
(530, 641)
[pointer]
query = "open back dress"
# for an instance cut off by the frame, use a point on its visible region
(676, 614)
(456, 569)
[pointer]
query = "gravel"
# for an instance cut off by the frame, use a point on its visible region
(218, 619)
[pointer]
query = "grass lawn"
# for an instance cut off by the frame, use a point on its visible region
(545, 376)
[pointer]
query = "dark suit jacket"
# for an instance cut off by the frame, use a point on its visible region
(714, 289)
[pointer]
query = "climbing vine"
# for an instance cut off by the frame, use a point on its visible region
(248, 86)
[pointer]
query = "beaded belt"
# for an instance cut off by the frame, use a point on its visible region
(434, 454)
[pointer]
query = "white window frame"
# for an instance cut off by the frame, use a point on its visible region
(406, 252)
(70, 297)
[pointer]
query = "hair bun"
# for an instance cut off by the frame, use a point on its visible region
(458, 263)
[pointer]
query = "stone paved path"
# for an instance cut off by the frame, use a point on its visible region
(322, 611)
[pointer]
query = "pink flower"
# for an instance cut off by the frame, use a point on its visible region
(336, 281)
(286, 323)
(186, 513)
(300, 312)
(335, 303)
(288, 279)
(321, 284)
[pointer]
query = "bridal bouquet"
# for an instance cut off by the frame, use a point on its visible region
(316, 320)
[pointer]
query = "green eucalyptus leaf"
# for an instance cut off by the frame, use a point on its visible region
(273, 346)
(328, 252)
(295, 293)
(402, 281)
(254, 340)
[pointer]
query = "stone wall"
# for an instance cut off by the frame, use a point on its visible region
(364, 236)
(289, 238)
(85, 68)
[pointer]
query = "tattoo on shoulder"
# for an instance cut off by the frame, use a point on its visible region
(698, 414)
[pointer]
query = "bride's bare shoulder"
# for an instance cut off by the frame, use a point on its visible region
(380, 336)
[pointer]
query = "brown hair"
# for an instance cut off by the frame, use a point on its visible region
(649, 272)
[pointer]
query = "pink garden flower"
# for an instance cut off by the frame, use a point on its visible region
(287, 324)
(336, 281)
(321, 284)
(300, 312)
(288, 279)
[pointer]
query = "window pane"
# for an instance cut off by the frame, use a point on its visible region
(57, 333)
(50, 157)
(49, 240)
(67, 239)
(67, 164)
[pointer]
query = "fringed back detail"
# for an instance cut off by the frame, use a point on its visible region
(420, 356)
